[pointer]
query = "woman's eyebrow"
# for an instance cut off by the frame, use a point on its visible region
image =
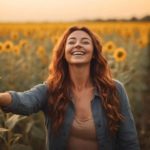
(72, 38)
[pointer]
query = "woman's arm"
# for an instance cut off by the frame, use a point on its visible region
(127, 138)
(27, 102)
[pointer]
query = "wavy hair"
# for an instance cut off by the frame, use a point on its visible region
(59, 81)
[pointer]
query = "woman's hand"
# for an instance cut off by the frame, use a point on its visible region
(5, 99)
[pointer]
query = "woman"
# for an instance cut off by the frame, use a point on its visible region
(83, 106)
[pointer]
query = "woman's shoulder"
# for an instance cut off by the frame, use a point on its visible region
(118, 82)
(42, 85)
(121, 91)
(119, 85)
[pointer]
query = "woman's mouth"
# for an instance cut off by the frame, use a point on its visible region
(78, 52)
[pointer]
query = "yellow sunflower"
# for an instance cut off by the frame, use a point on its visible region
(23, 43)
(109, 47)
(16, 50)
(8, 46)
(120, 54)
(54, 39)
(142, 42)
(41, 53)
(14, 35)
(28, 33)
(1, 47)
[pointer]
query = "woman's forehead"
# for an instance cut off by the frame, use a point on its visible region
(79, 34)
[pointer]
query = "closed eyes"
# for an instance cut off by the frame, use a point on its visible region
(83, 42)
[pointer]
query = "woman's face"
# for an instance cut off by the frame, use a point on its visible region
(78, 48)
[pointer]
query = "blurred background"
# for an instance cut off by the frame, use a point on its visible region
(30, 29)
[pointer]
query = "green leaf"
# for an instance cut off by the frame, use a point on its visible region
(13, 120)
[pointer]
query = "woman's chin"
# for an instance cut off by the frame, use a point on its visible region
(78, 63)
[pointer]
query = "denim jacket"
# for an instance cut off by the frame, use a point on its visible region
(35, 99)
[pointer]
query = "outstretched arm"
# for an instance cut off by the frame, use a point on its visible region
(27, 102)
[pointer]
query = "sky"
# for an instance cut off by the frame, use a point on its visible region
(70, 10)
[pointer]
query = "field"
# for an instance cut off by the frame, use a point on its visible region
(25, 54)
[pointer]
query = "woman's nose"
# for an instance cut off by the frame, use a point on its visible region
(78, 45)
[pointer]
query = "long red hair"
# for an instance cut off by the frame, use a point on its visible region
(59, 81)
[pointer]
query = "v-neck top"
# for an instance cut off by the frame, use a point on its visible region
(83, 132)
(83, 135)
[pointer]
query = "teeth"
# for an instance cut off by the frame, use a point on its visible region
(78, 53)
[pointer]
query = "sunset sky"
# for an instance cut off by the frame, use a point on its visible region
(70, 10)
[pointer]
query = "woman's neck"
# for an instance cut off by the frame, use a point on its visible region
(80, 77)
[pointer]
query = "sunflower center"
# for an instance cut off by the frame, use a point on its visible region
(8, 46)
(109, 46)
(120, 54)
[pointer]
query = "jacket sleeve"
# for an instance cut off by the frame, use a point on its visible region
(28, 102)
(127, 138)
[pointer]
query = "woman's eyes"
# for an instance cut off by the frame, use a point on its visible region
(85, 42)
(73, 42)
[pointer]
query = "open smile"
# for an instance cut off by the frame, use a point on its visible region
(77, 52)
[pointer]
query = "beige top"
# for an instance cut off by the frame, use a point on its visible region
(83, 131)
(83, 135)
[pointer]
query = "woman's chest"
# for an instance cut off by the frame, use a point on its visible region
(82, 104)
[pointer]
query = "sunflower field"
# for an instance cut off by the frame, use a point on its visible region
(25, 54)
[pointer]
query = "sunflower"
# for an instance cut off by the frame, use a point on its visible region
(14, 35)
(127, 34)
(54, 39)
(27, 33)
(120, 54)
(1, 47)
(8, 46)
(142, 42)
(109, 47)
(16, 50)
(41, 53)
(23, 43)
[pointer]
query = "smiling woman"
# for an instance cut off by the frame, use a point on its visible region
(84, 107)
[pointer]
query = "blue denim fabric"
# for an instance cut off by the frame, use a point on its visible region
(35, 99)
